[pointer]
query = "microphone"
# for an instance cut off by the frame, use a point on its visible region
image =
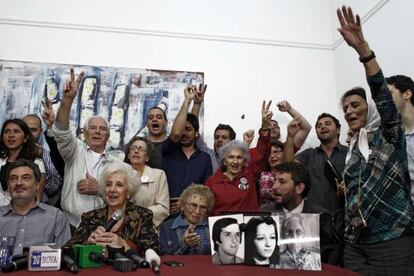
(16, 264)
(133, 255)
(19, 256)
(70, 264)
(154, 260)
(116, 216)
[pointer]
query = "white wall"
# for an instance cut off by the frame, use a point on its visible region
(389, 33)
(248, 50)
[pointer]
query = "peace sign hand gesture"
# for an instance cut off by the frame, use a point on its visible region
(71, 86)
(199, 93)
(266, 115)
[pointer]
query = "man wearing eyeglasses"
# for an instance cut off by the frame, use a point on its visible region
(187, 234)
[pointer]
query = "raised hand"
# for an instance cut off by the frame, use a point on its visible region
(199, 93)
(293, 127)
(266, 115)
(351, 30)
(48, 115)
(248, 137)
(71, 86)
(189, 93)
(284, 106)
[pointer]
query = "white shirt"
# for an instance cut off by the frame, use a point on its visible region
(153, 194)
(297, 210)
(409, 137)
(78, 161)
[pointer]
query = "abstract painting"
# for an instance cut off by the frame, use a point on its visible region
(122, 95)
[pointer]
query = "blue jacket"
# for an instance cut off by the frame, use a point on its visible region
(171, 237)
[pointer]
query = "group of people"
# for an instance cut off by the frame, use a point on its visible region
(163, 209)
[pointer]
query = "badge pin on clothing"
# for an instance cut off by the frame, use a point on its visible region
(243, 184)
(144, 179)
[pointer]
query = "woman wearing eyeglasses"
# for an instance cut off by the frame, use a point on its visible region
(153, 191)
(280, 152)
(188, 233)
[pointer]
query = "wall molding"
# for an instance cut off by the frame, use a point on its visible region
(364, 19)
(183, 35)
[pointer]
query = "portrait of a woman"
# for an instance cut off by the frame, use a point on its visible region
(298, 254)
(261, 241)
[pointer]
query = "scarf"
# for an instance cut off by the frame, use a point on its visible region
(373, 123)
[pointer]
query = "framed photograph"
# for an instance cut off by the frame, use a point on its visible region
(227, 246)
(261, 236)
(299, 242)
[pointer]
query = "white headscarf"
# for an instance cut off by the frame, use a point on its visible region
(373, 123)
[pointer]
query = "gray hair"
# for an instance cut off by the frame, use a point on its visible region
(235, 144)
(88, 121)
(201, 190)
(132, 175)
(291, 218)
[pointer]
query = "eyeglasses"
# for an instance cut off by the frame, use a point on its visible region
(192, 207)
(138, 148)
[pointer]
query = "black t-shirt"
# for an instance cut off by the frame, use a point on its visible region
(156, 158)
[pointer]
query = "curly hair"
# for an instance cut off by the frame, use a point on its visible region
(198, 189)
(150, 147)
(133, 178)
(234, 144)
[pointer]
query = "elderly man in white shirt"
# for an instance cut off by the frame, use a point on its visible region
(83, 160)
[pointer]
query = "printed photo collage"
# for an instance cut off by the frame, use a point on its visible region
(283, 241)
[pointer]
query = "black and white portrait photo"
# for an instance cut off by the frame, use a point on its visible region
(299, 242)
(261, 236)
(226, 239)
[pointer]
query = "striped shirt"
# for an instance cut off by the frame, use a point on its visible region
(383, 181)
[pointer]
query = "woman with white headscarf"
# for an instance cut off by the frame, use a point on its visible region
(379, 224)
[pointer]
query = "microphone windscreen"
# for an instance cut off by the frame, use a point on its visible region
(151, 256)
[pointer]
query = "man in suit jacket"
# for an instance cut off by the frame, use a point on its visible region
(292, 185)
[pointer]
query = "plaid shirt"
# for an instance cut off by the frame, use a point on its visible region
(383, 182)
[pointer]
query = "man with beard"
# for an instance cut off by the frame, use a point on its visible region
(156, 124)
(325, 163)
(292, 185)
(183, 162)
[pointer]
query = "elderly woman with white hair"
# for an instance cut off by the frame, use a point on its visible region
(188, 234)
(234, 184)
(135, 230)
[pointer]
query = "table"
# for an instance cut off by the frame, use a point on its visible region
(199, 266)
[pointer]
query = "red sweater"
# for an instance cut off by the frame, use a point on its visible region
(227, 194)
